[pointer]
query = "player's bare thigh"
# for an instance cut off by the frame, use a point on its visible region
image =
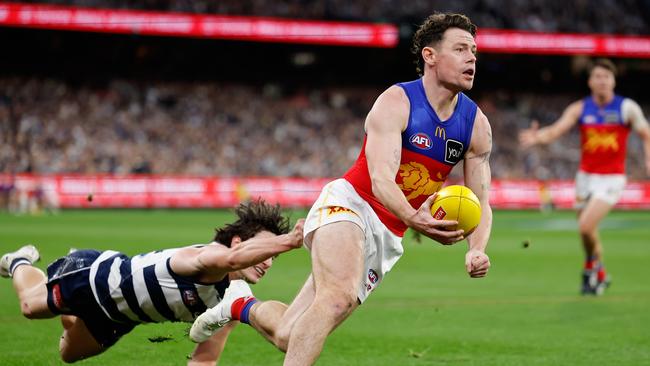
(337, 263)
(29, 283)
(77, 343)
(592, 214)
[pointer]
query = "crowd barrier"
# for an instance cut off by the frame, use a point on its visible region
(151, 191)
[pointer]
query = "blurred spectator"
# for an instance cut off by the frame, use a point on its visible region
(237, 130)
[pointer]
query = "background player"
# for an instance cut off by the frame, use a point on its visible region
(416, 133)
(605, 120)
(103, 295)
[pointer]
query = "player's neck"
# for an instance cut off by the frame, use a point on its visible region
(603, 99)
(442, 99)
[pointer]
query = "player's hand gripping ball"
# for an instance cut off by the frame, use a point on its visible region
(457, 203)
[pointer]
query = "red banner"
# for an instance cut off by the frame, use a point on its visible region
(203, 26)
(195, 192)
(303, 31)
(507, 41)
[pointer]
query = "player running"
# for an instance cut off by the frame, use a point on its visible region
(605, 120)
(102, 296)
(417, 132)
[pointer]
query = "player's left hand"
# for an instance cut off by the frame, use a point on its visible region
(477, 263)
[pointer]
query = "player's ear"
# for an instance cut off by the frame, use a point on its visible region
(429, 55)
(235, 241)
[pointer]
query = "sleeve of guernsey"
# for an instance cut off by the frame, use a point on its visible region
(632, 112)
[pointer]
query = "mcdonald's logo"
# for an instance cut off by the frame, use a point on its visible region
(441, 133)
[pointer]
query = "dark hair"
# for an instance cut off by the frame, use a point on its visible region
(432, 30)
(605, 64)
(253, 217)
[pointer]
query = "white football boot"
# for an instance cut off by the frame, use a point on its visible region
(208, 323)
(28, 252)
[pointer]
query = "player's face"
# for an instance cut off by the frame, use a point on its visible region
(254, 273)
(601, 81)
(456, 59)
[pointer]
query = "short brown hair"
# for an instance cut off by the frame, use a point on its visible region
(605, 63)
(432, 30)
(253, 217)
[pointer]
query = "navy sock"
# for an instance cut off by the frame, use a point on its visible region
(17, 262)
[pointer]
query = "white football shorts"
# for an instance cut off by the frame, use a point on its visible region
(605, 187)
(339, 201)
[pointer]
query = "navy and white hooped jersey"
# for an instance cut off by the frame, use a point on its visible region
(144, 289)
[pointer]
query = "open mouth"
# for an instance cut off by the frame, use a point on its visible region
(259, 271)
(469, 72)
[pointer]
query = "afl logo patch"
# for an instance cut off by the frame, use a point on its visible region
(589, 119)
(190, 297)
(372, 276)
(421, 141)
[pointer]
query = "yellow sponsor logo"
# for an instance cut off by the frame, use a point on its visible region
(333, 210)
(441, 133)
(417, 181)
(597, 140)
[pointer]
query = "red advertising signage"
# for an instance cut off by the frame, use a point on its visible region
(145, 191)
(507, 41)
(202, 26)
(266, 29)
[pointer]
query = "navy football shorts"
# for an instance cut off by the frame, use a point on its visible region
(69, 292)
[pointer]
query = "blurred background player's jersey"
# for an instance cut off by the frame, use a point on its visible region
(603, 137)
(430, 149)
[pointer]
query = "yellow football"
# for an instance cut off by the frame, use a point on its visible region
(460, 204)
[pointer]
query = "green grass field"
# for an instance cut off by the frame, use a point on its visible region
(426, 312)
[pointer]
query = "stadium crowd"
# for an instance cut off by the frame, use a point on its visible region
(50, 126)
(539, 15)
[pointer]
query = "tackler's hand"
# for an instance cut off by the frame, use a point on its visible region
(296, 235)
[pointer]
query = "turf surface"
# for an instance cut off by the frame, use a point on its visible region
(426, 312)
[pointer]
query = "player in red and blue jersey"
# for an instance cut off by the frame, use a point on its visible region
(605, 120)
(416, 133)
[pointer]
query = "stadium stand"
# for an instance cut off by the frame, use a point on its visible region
(229, 129)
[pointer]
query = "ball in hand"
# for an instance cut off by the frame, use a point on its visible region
(457, 203)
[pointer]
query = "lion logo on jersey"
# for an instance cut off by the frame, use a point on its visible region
(600, 141)
(417, 181)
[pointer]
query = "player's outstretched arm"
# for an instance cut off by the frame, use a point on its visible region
(478, 178)
(535, 135)
(212, 262)
(384, 125)
(633, 113)
(209, 352)
(255, 250)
